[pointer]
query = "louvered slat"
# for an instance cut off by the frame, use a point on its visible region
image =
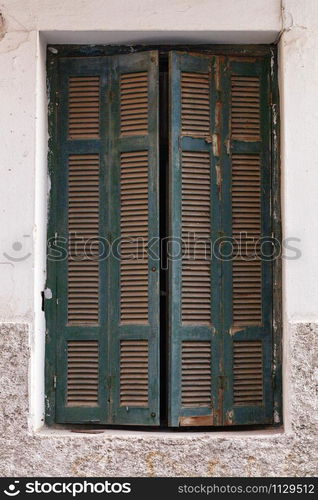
(83, 107)
(196, 374)
(245, 108)
(134, 238)
(134, 103)
(82, 373)
(134, 373)
(246, 230)
(248, 372)
(195, 104)
(196, 229)
(83, 230)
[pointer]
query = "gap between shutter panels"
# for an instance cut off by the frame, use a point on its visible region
(83, 107)
(248, 372)
(134, 103)
(196, 373)
(82, 373)
(83, 226)
(196, 230)
(134, 238)
(246, 229)
(134, 360)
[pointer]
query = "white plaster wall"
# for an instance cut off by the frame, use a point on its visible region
(17, 145)
(25, 28)
(21, 83)
(299, 84)
(258, 19)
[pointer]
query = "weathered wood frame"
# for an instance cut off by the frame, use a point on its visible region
(56, 51)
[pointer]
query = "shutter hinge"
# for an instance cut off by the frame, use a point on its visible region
(54, 382)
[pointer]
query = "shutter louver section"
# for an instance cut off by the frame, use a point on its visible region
(83, 117)
(246, 230)
(134, 373)
(83, 229)
(248, 372)
(134, 238)
(82, 373)
(196, 231)
(220, 192)
(196, 374)
(245, 108)
(81, 225)
(248, 395)
(134, 216)
(195, 98)
(191, 188)
(134, 103)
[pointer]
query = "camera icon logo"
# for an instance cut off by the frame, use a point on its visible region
(13, 491)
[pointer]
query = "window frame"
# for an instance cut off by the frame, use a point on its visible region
(57, 51)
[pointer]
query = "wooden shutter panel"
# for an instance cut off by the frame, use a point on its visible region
(105, 317)
(80, 328)
(220, 309)
(248, 397)
(134, 215)
(193, 225)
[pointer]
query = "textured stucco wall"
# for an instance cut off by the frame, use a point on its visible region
(124, 453)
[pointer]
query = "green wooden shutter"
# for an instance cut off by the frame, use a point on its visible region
(134, 215)
(103, 316)
(248, 349)
(220, 175)
(194, 222)
(80, 205)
